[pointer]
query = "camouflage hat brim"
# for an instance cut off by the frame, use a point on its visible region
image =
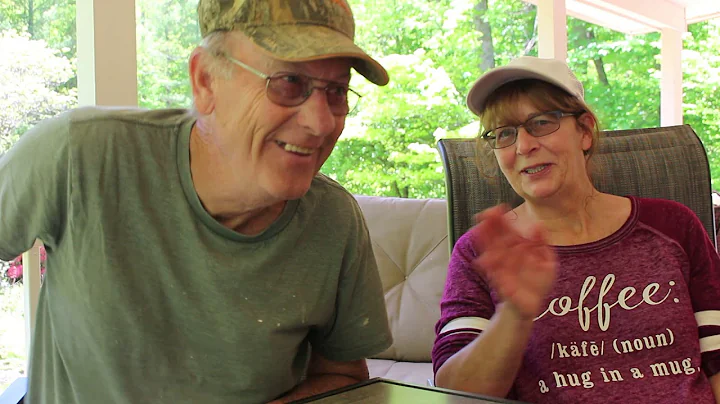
(304, 42)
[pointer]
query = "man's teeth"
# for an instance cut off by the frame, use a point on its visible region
(296, 149)
(535, 169)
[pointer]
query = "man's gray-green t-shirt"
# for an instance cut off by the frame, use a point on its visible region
(148, 299)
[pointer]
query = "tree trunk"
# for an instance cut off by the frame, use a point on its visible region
(487, 50)
(396, 189)
(600, 68)
(31, 18)
(532, 41)
(403, 192)
(599, 65)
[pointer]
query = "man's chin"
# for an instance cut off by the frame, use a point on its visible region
(294, 191)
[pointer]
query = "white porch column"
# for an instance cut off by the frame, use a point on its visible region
(671, 95)
(31, 286)
(107, 60)
(552, 29)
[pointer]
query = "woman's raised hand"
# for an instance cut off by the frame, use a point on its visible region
(521, 268)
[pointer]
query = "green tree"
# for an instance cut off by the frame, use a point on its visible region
(433, 54)
(32, 80)
(50, 20)
(701, 85)
(167, 31)
(620, 73)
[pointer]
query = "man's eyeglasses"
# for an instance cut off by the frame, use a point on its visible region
(537, 126)
(292, 89)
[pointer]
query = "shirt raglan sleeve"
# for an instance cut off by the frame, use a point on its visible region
(704, 288)
(360, 328)
(33, 188)
(466, 306)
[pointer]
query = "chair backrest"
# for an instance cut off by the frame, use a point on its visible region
(668, 163)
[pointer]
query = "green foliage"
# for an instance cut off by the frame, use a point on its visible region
(433, 54)
(389, 146)
(167, 31)
(50, 20)
(630, 97)
(32, 80)
(701, 79)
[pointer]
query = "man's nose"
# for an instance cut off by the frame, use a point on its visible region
(316, 114)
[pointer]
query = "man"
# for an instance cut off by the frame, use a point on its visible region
(199, 257)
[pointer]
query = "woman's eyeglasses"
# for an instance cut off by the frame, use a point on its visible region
(292, 89)
(537, 126)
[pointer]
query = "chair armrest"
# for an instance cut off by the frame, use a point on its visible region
(15, 394)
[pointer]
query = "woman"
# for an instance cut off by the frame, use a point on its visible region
(575, 295)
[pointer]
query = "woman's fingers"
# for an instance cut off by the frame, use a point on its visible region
(495, 232)
(522, 276)
(498, 210)
(521, 268)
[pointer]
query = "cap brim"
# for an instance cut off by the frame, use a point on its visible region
(494, 79)
(302, 43)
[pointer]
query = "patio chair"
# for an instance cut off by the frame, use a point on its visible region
(668, 162)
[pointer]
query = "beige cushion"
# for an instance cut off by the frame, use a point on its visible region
(409, 238)
(411, 372)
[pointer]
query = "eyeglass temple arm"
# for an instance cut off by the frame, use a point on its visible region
(244, 66)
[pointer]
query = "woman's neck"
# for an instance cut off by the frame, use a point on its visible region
(580, 218)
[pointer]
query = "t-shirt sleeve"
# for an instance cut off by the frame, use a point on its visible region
(466, 306)
(33, 188)
(704, 288)
(360, 326)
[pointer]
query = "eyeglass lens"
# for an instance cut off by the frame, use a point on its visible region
(538, 126)
(293, 89)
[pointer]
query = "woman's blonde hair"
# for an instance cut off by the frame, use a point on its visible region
(501, 108)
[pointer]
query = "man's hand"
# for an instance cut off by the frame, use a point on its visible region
(522, 269)
(324, 375)
(715, 384)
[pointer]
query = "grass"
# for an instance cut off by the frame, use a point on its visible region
(13, 355)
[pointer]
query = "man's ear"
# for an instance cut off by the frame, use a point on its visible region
(201, 81)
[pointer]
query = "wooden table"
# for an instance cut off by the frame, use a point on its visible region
(384, 391)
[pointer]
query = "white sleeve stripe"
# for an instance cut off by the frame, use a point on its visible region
(461, 332)
(709, 344)
(477, 323)
(708, 317)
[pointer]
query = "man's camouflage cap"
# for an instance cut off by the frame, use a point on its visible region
(293, 30)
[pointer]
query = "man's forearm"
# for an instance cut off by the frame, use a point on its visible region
(715, 383)
(317, 384)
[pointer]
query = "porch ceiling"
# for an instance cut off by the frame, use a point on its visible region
(642, 16)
